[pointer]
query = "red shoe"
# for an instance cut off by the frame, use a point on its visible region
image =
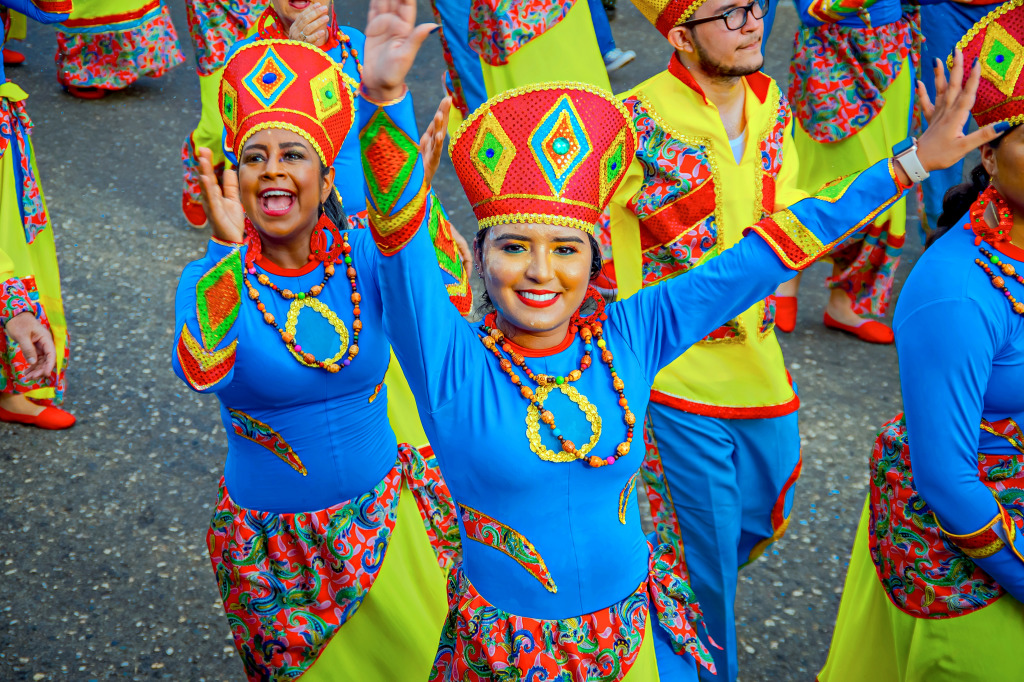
(785, 313)
(871, 331)
(13, 58)
(85, 93)
(51, 418)
(605, 282)
(194, 213)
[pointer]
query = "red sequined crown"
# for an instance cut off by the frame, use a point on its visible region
(286, 84)
(997, 42)
(549, 153)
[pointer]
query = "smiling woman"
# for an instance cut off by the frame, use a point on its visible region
(317, 544)
(557, 580)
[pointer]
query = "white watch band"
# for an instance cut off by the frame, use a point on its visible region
(911, 165)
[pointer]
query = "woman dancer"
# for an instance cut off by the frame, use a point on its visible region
(26, 239)
(936, 580)
(851, 88)
(557, 578)
(324, 565)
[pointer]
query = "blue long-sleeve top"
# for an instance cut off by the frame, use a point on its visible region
(348, 168)
(27, 8)
(961, 354)
(593, 554)
(335, 425)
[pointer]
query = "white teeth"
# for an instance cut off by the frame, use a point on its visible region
(536, 297)
(277, 193)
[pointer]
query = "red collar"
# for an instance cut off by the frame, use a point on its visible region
(1009, 250)
(490, 321)
(760, 83)
(274, 269)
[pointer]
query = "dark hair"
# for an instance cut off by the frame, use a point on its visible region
(958, 198)
(478, 252)
(332, 207)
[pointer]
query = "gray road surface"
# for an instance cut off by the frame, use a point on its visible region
(103, 568)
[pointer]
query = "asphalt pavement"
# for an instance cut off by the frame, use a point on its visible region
(103, 566)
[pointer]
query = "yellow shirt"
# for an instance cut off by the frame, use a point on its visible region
(684, 200)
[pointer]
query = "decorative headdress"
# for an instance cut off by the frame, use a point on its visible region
(667, 14)
(997, 41)
(286, 84)
(547, 153)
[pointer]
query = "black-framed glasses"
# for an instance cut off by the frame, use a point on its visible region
(735, 18)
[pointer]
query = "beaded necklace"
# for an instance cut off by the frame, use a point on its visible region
(997, 281)
(341, 250)
(589, 329)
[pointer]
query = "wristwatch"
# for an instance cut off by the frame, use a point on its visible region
(905, 153)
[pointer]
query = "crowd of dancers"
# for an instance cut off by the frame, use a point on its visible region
(410, 495)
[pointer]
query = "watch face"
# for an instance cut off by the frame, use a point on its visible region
(903, 146)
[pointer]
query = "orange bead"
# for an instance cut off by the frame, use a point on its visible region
(606, 357)
(253, 294)
(309, 357)
(353, 351)
(329, 269)
(569, 446)
(526, 392)
(488, 342)
(516, 380)
(357, 325)
(617, 383)
(622, 449)
(287, 338)
(351, 273)
(585, 362)
(547, 417)
(356, 298)
(1008, 270)
(623, 402)
(263, 279)
(260, 307)
(596, 461)
(315, 291)
(575, 375)
(268, 318)
(998, 282)
(505, 365)
(333, 369)
(356, 312)
(1018, 308)
(287, 294)
(630, 418)
(541, 379)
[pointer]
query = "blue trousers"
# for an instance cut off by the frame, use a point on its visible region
(455, 24)
(943, 24)
(729, 485)
(603, 29)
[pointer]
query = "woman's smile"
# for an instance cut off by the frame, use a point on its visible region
(276, 202)
(537, 298)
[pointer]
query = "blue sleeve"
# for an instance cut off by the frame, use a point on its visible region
(27, 8)
(660, 323)
(348, 167)
(206, 306)
(946, 348)
(431, 340)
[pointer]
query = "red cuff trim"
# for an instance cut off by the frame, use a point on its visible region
(724, 411)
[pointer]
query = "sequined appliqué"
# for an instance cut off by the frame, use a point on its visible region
(258, 432)
(488, 531)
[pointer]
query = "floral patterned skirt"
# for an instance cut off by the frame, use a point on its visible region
(112, 57)
(289, 582)
(481, 642)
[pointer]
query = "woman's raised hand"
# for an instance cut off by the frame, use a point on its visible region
(312, 25)
(944, 143)
(223, 206)
(392, 41)
(432, 141)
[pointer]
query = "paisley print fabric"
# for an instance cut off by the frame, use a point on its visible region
(867, 268)
(494, 533)
(663, 511)
(289, 581)
(113, 60)
(434, 500)
(770, 148)
(923, 573)
(767, 317)
(839, 75)
(481, 642)
(15, 126)
(499, 28)
(216, 25)
(676, 201)
(13, 300)
(17, 296)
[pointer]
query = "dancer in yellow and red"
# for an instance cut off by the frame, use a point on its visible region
(851, 89)
(107, 45)
(29, 278)
(713, 155)
(214, 25)
(935, 588)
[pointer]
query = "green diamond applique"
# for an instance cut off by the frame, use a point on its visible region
(219, 298)
(1002, 59)
(492, 153)
(327, 96)
(613, 165)
(390, 157)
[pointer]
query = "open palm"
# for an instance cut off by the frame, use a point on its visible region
(392, 41)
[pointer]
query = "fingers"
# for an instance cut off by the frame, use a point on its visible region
(927, 108)
(970, 90)
(46, 356)
(956, 79)
(230, 181)
(417, 38)
(981, 136)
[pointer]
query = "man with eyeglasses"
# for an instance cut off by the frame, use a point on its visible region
(713, 157)
(852, 92)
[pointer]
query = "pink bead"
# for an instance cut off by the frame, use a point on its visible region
(252, 270)
(298, 348)
(610, 460)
